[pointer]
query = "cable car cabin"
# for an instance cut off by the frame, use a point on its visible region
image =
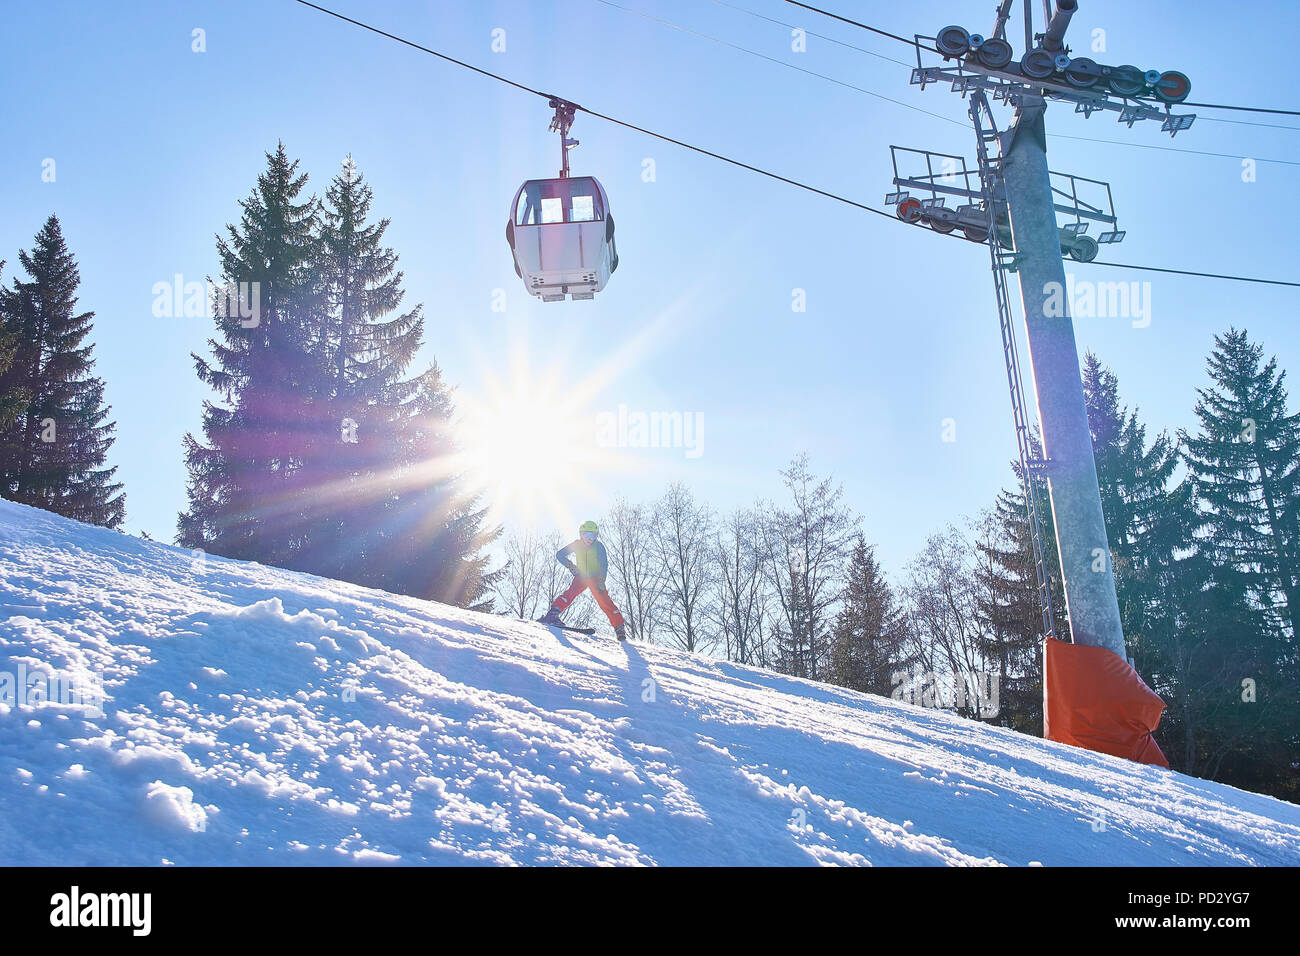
(562, 237)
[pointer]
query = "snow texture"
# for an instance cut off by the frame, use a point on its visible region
(255, 716)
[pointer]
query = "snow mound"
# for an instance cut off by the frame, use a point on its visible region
(174, 807)
(333, 724)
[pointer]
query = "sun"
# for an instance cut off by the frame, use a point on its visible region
(528, 450)
(527, 439)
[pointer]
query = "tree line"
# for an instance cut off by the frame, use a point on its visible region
(1204, 534)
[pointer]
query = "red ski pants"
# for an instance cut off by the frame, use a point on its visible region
(598, 591)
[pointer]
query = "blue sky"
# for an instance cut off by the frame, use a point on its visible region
(154, 145)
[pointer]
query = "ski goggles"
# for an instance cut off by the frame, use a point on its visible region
(588, 536)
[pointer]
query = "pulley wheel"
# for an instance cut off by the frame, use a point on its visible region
(1084, 249)
(1173, 86)
(995, 53)
(940, 225)
(975, 233)
(1082, 73)
(1038, 64)
(1127, 81)
(953, 41)
(909, 210)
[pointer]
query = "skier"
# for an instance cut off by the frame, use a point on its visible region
(588, 567)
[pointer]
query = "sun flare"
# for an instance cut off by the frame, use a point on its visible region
(529, 451)
(528, 438)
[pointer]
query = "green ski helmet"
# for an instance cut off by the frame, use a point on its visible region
(588, 527)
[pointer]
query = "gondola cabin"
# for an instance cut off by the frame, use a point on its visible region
(562, 236)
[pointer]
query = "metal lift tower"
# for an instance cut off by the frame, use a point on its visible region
(1012, 204)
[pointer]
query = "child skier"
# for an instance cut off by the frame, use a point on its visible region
(589, 567)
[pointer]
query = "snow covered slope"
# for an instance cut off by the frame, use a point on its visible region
(263, 717)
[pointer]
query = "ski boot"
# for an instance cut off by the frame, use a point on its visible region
(551, 617)
(621, 632)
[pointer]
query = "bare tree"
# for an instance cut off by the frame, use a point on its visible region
(807, 547)
(554, 578)
(521, 586)
(637, 584)
(682, 537)
(741, 604)
(942, 597)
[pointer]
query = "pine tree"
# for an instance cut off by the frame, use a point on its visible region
(1246, 464)
(11, 403)
(329, 459)
(429, 538)
(867, 638)
(53, 450)
(1204, 638)
(354, 437)
(242, 488)
(1009, 608)
(1244, 468)
(386, 509)
(790, 633)
(1009, 601)
(363, 285)
(1142, 528)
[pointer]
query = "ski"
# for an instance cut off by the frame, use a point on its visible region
(565, 627)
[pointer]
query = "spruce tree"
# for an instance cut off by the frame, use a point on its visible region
(424, 534)
(867, 638)
(382, 506)
(1141, 527)
(328, 459)
(57, 437)
(368, 352)
(11, 403)
(361, 355)
(1246, 464)
(1010, 605)
(1204, 639)
(243, 487)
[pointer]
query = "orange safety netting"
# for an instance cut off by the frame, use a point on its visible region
(1095, 700)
